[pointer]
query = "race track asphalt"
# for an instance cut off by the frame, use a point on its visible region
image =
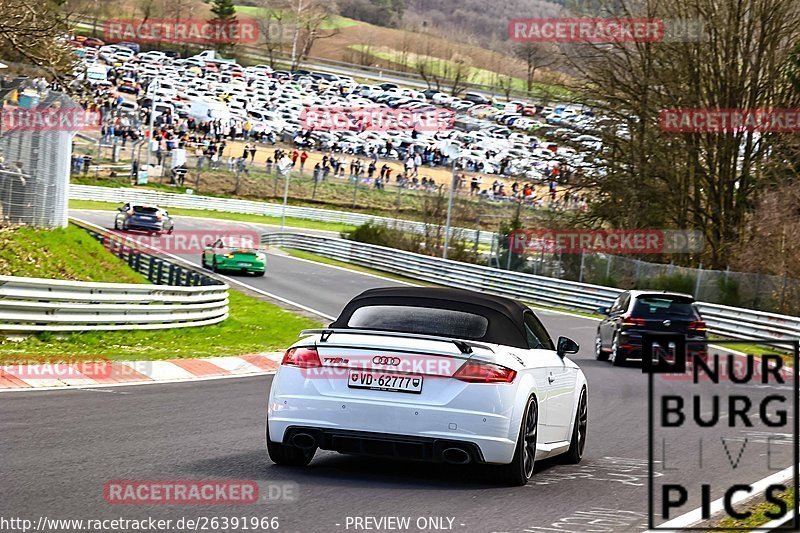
(58, 449)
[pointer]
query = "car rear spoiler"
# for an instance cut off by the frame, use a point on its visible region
(464, 346)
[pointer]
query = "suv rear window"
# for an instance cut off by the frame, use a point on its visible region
(662, 306)
(421, 320)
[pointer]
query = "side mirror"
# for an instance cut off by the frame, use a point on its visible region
(602, 310)
(565, 346)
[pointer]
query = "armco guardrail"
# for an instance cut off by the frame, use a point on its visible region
(30, 305)
(232, 205)
(728, 321)
(535, 289)
(182, 298)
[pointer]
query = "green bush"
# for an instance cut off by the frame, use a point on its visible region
(729, 292)
(382, 235)
(668, 282)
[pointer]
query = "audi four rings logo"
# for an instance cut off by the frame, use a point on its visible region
(391, 361)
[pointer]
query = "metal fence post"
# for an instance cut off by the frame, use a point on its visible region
(697, 282)
(580, 274)
(783, 292)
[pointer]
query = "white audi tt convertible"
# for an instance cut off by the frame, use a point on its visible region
(430, 374)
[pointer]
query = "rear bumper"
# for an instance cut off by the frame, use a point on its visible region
(630, 344)
(234, 265)
(145, 226)
(477, 415)
(405, 447)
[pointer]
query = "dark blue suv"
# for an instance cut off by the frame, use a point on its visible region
(148, 218)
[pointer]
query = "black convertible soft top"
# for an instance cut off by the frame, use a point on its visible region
(505, 316)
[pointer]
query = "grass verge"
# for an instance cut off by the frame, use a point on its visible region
(759, 515)
(300, 254)
(253, 326)
(754, 349)
(240, 217)
(64, 253)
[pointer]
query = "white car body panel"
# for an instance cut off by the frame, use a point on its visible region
(486, 414)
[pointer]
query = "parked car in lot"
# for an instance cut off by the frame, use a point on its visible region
(93, 42)
(430, 374)
(140, 217)
(619, 335)
(476, 98)
(227, 257)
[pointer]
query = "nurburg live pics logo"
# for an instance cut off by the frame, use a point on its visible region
(756, 397)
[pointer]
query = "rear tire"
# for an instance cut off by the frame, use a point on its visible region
(578, 441)
(286, 455)
(520, 470)
(617, 356)
(599, 353)
(260, 274)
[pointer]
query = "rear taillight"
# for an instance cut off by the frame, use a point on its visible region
(631, 321)
(302, 357)
(476, 372)
(698, 325)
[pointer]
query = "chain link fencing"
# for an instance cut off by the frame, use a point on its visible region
(34, 158)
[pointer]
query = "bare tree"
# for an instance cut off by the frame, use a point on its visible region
(706, 181)
(309, 17)
(458, 72)
(273, 24)
(535, 56)
(30, 32)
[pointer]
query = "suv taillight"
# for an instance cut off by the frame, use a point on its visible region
(698, 325)
(303, 357)
(476, 372)
(631, 321)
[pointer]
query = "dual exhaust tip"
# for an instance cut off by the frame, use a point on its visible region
(304, 441)
(457, 456)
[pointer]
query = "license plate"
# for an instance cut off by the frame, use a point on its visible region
(385, 382)
(242, 264)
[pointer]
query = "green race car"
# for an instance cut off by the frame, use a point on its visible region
(220, 257)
